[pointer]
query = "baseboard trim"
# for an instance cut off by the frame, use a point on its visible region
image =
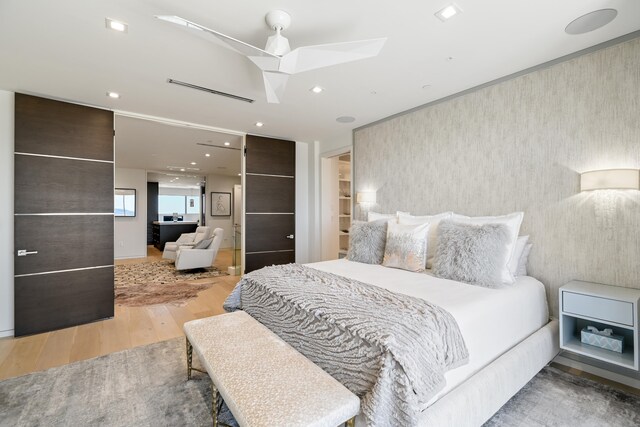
(7, 333)
(561, 359)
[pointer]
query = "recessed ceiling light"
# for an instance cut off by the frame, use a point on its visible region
(259, 124)
(227, 143)
(239, 174)
(448, 12)
(181, 169)
(345, 119)
(116, 25)
(177, 178)
(591, 21)
(316, 89)
(207, 155)
(113, 95)
(193, 163)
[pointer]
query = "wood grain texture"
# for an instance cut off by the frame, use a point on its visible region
(23, 355)
(269, 232)
(257, 261)
(520, 145)
(270, 156)
(69, 130)
(270, 194)
(46, 185)
(58, 300)
(75, 241)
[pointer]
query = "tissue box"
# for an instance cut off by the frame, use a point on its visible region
(608, 342)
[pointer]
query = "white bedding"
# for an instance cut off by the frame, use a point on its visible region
(491, 320)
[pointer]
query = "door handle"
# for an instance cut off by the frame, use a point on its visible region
(24, 252)
(290, 236)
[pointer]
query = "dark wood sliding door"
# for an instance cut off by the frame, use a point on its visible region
(63, 214)
(270, 202)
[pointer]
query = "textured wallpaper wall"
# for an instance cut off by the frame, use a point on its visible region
(521, 145)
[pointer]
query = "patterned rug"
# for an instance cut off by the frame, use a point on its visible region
(159, 282)
(147, 386)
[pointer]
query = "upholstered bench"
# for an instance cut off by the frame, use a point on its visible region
(263, 380)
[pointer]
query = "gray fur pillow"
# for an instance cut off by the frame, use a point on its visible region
(367, 241)
(472, 254)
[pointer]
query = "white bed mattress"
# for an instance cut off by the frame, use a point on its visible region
(492, 321)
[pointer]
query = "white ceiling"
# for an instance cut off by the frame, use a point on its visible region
(62, 49)
(154, 146)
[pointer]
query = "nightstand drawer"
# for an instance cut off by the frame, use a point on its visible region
(606, 309)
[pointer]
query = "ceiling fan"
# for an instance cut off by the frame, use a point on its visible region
(277, 61)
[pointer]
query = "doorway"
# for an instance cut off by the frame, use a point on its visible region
(336, 202)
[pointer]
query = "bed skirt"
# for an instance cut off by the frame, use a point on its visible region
(477, 399)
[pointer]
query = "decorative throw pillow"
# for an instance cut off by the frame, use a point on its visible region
(434, 220)
(406, 246)
(473, 254)
(375, 216)
(517, 253)
(203, 244)
(366, 241)
(522, 262)
(512, 221)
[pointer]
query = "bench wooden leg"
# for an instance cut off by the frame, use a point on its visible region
(351, 422)
(189, 358)
(214, 402)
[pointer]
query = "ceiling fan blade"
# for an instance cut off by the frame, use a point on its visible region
(325, 55)
(266, 63)
(274, 85)
(235, 44)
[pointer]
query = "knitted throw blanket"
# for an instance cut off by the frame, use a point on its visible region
(391, 350)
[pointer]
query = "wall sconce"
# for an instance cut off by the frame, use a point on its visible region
(366, 197)
(610, 179)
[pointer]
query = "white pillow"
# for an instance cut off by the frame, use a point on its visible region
(512, 221)
(434, 220)
(375, 216)
(517, 253)
(524, 258)
(406, 246)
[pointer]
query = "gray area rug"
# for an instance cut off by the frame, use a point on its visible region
(146, 386)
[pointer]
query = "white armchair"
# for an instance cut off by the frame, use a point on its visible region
(193, 257)
(185, 239)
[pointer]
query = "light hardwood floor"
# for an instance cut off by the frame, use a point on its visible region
(130, 327)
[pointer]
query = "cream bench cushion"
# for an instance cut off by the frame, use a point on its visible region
(263, 380)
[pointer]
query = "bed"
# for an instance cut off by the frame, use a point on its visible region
(506, 331)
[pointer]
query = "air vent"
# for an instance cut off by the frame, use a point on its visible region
(206, 89)
(216, 146)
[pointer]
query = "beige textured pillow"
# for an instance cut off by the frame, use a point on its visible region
(434, 220)
(406, 246)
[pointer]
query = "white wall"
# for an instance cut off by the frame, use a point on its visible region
(130, 234)
(302, 203)
(221, 183)
(6, 212)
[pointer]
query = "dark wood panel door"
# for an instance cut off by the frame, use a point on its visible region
(63, 215)
(270, 202)
(152, 209)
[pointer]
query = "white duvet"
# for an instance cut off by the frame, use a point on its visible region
(492, 321)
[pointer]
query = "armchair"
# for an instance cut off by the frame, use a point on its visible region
(186, 239)
(188, 258)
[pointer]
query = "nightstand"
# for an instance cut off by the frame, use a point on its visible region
(591, 304)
